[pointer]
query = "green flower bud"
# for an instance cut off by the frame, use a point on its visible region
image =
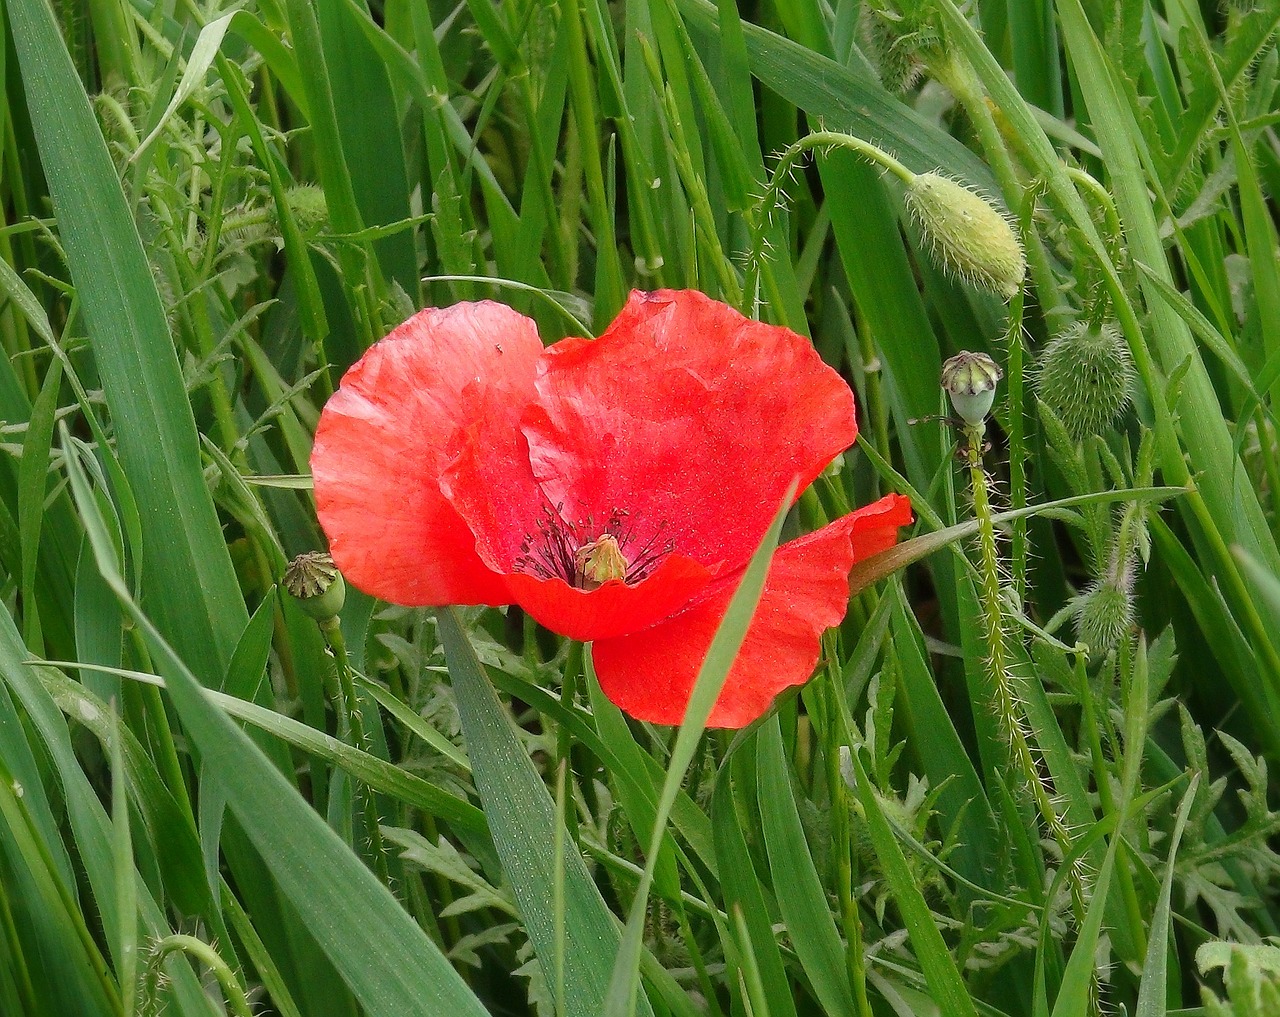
(1104, 616)
(1085, 376)
(970, 380)
(309, 206)
(315, 582)
(967, 235)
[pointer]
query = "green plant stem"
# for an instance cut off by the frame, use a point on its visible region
(352, 729)
(1006, 703)
(232, 991)
(1017, 444)
(774, 193)
(1102, 197)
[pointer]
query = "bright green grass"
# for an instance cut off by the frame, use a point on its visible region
(208, 214)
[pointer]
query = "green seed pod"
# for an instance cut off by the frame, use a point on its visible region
(1104, 616)
(970, 380)
(968, 236)
(1085, 376)
(316, 584)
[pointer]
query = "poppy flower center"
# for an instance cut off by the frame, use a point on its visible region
(587, 554)
(601, 560)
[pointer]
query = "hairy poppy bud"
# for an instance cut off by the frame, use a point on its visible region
(967, 234)
(1104, 616)
(1085, 376)
(309, 206)
(317, 585)
(970, 380)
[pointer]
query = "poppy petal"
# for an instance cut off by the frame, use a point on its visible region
(390, 430)
(615, 608)
(681, 400)
(650, 674)
(490, 485)
(493, 489)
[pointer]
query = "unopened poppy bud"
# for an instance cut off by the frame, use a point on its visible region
(309, 206)
(1104, 616)
(970, 380)
(600, 561)
(967, 234)
(317, 585)
(1085, 376)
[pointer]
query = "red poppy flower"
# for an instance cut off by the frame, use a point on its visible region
(615, 488)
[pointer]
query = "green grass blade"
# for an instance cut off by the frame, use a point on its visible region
(942, 753)
(125, 936)
(1151, 991)
(71, 973)
(521, 815)
(384, 957)
(706, 688)
(33, 482)
(368, 123)
(744, 899)
(801, 898)
(188, 572)
(943, 977)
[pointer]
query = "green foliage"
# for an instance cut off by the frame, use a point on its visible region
(1033, 775)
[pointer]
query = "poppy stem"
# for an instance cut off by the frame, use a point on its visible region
(775, 194)
(352, 731)
(232, 991)
(1006, 699)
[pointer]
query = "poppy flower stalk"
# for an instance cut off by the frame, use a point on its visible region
(614, 488)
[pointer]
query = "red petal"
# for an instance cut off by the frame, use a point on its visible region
(680, 401)
(650, 674)
(875, 526)
(388, 433)
(614, 608)
(492, 487)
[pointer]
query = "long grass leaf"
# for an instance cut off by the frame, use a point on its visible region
(706, 688)
(385, 958)
(521, 813)
(188, 572)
